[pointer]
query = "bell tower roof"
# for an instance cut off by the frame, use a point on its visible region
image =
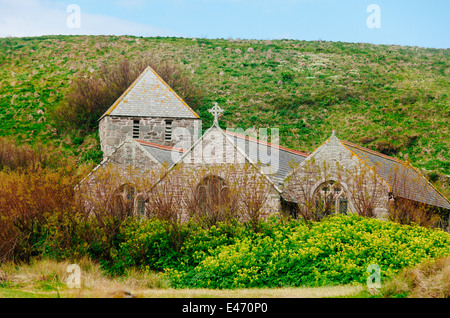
(150, 96)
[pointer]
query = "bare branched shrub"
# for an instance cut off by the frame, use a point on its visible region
(310, 205)
(405, 211)
(364, 188)
(255, 193)
(113, 194)
(164, 199)
(165, 203)
(213, 193)
(13, 156)
(410, 193)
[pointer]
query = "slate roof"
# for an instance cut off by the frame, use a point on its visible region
(150, 96)
(162, 154)
(257, 151)
(405, 180)
(261, 152)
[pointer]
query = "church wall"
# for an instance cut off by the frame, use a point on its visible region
(114, 130)
(215, 155)
(131, 154)
(127, 165)
(338, 159)
(183, 184)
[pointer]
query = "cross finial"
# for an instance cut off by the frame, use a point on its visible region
(216, 111)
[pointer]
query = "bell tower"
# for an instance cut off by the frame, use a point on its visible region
(149, 110)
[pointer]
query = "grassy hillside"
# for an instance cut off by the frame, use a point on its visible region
(392, 99)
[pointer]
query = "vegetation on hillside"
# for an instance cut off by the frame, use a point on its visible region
(392, 99)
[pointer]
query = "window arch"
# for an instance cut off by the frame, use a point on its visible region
(139, 208)
(330, 198)
(212, 192)
(126, 201)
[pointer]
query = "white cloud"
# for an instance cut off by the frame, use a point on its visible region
(34, 18)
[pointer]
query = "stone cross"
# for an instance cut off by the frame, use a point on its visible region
(216, 111)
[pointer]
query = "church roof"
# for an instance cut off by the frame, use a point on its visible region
(256, 151)
(261, 152)
(150, 96)
(405, 180)
(163, 154)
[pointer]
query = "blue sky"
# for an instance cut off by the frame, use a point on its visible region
(406, 22)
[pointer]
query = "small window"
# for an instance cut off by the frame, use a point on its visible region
(168, 135)
(136, 129)
(140, 206)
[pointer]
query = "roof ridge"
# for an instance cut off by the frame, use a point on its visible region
(267, 143)
(154, 145)
(172, 91)
(133, 85)
(117, 102)
(374, 152)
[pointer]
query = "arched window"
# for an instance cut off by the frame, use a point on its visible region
(212, 193)
(140, 206)
(127, 202)
(331, 198)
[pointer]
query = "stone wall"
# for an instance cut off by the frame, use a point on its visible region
(183, 182)
(215, 155)
(114, 130)
(128, 164)
(130, 153)
(332, 161)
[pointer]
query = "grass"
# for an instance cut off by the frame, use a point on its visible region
(46, 279)
(428, 280)
(386, 97)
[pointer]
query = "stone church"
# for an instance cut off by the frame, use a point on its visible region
(150, 126)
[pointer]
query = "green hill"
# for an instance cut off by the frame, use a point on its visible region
(392, 99)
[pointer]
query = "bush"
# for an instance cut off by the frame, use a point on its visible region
(14, 156)
(335, 251)
(41, 216)
(27, 198)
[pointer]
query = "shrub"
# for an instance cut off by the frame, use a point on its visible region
(14, 156)
(335, 251)
(27, 197)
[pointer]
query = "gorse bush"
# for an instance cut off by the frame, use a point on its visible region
(331, 252)
(334, 251)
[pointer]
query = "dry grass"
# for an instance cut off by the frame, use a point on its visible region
(47, 279)
(428, 280)
(314, 292)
